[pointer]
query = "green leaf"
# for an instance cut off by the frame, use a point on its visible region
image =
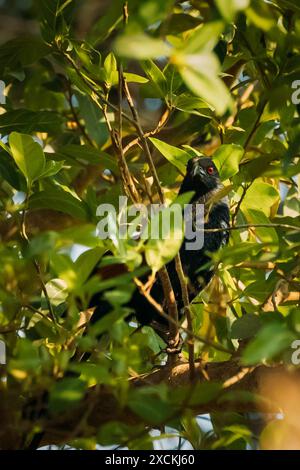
(118, 297)
(83, 234)
(151, 409)
(191, 430)
(26, 358)
(106, 322)
(154, 341)
(130, 78)
(204, 393)
(52, 14)
(200, 73)
(245, 327)
(5, 147)
(86, 262)
(59, 200)
(255, 168)
(23, 120)
(167, 225)
(149, 405)
(78, 82)
(28, 155)
(265, 234)
(149, 12)
(115, 431)
(156, 76)
(193, 105)
(227, 158)
(92, 372)
(179, 22)
(22, 51)
(134, 78)
(106, 23)
(65, 394)
(174, 155)
(57, 290)
(93, 118)
(269, 342)
(84, 443)
(260, 196)
(290, 5)
(229, 8)
(110, 67)
(261, 15)
(64, 268)
(10, 173)
(42, 243)
(86, 154)
(204, 38)
(140, 46)
(51, 168)
(231, 255)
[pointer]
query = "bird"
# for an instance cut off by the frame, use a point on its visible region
(202, 179)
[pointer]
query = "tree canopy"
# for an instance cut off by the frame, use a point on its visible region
(108, 99)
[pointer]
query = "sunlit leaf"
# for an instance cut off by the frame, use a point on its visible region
(229, 8)
(227, 159)
(141, 46)
(167, 227)
(28, 155)
(60, 200)
(176, 156)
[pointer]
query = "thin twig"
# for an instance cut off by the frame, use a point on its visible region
(127, 181)
(246, 226)
(162, 122)
(76, 118)
(93, 87)
(237, 377)
(186, 303)
(267, 265)
(245, 189)
(36, 310)
(125, 173)
(143, 139)
(255, 124)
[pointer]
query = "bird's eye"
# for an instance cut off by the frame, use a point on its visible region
(210, 170)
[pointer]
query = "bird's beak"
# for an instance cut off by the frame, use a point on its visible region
(198, 170)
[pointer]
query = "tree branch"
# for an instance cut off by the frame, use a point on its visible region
(246, 226)
(235, 381)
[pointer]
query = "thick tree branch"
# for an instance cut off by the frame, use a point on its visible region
(234, 378)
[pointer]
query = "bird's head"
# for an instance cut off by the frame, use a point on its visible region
(201, 176)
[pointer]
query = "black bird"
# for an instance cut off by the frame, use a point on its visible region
(203, 179)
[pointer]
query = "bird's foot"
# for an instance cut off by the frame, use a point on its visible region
(172, 350)
(174, 347)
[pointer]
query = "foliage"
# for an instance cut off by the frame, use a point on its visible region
(207, 77)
